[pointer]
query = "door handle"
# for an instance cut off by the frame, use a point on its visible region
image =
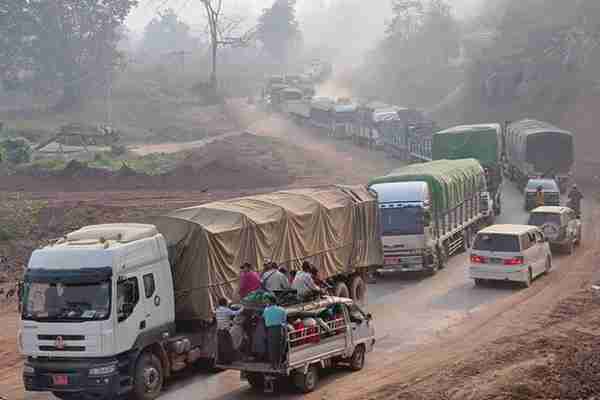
(142, 325)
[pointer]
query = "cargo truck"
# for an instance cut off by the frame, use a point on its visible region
(539, 150)
(117, 309)
(482, 142)
(430, 211)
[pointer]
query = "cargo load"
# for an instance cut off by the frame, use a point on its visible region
(335, 228)
(429, 212)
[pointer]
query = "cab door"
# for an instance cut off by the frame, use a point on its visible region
(361, 326)
(130, 312)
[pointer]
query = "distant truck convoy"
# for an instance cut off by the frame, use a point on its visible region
(482, 142)
(118, 308)
(537, 149)
(429, 212)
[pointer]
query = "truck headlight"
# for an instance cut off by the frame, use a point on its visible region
(105, 370)
(28, 369)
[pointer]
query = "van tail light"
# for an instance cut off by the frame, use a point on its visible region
(514, 261)
(478, 259)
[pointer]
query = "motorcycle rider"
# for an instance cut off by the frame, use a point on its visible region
(575, 197)
(539, 196)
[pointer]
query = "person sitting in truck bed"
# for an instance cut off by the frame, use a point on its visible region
(273, 280)
(249, 280)
(224, 316)
(304, 283)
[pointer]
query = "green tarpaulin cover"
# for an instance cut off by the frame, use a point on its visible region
(450, 181)
(482, 142)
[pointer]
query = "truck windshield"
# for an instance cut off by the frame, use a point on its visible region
(539, 219)
(58, 302)
(402, 221)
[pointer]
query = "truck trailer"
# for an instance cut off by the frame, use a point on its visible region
(536, 150)
(117, 309)
(482, 142)
(429, 211)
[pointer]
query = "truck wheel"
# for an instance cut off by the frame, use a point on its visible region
(341, 290)
(548, 265)
(306, 383)
(529, 280)
(256, 380)
(442, 257)
(358, 290)
(149, 377)
(357, 362)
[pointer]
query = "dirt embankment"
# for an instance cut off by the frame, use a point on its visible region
(237, 162)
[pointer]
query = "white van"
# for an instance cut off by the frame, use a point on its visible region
(517, 253)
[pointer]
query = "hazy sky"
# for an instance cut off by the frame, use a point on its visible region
(191, 10)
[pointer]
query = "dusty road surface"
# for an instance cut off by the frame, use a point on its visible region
(422, 323)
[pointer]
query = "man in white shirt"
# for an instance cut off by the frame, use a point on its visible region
(225, 315)
(273, 280)
(304, 284)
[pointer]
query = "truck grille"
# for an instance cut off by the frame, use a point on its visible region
(65, 348)
(66, 342)
(64, 337)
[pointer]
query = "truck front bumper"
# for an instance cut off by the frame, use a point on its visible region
(71, 376)
(412, 263)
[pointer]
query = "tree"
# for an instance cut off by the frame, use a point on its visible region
(70, 44)
(278, 28)
(167, 32)
(223, 31)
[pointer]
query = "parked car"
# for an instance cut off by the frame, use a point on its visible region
(549, 188)
(560, 226)
(517, 253)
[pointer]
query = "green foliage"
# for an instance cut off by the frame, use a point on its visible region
(278, 29)
(412, 64)
(167, 34)
(16, 151)
(61, 44)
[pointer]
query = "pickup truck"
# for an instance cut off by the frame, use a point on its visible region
(343, 337)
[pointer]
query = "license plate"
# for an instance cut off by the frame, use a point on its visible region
(60, 380)
(496, 260)
(392, 261)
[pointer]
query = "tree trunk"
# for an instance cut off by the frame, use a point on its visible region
(213, 73)
(71, 94)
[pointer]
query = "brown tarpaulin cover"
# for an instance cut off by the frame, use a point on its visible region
(336, 228)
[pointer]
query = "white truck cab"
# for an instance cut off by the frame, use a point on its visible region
(404, 209)
(92, 302)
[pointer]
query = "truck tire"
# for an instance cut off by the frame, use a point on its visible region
(358, 290)
(306, 383)
(256, 380)
(341, 290)
(357, 361)
(149, 377)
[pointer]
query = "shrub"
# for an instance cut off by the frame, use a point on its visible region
(16, 151)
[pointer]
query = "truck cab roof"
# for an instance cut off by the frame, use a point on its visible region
(119, 246)
(405, 192)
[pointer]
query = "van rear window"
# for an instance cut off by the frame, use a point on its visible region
(497, 242)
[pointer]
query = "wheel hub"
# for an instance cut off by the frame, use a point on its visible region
(151, 378)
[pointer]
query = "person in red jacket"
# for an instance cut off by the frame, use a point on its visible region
(249, 280)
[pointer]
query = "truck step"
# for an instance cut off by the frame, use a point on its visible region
(125, 389)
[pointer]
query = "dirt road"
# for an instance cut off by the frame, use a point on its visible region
(422, 324)
(411, 314)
